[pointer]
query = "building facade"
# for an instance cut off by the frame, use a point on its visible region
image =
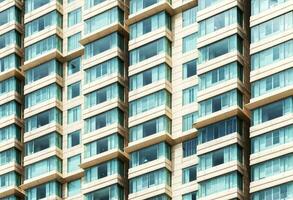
(271, 100)
(146, 99)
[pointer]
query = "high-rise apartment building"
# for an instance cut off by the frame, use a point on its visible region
(11, 99)
(223, 71)
(271, 102)
(146, 99)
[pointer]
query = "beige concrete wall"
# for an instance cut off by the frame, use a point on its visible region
(178, 109)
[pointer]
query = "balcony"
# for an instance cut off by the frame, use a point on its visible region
(148, 11)
(102, 157)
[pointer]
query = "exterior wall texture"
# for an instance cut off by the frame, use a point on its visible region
(146, 99)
